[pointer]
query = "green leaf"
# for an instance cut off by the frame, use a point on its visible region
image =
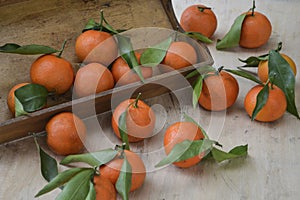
(282, 76)
(154, 55)
(244, 74)
(32, 97)
(49, 168)
(189, 119)
(123, 183)
(59, 180)
(199, 36)
(197, 88)
(78, 187)
(123, 129)
(236, 152)
(232, 38)
(261, 101)
(19, 110)
(127, 53)
(92, 192)
(187, 149)
(31, 49)
(253, 61)
(200, 71)
(92, 24)
(93, 159)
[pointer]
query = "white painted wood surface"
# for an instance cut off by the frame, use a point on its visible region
(271, 171)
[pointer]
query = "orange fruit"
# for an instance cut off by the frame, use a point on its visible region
(263, 69)
(180, 55)
(54, 73)
(274, 108)
(11, 97)
(111, 170)
(177, 133)
(219, 92)
(124, 75)
(105, 190)
(140, 120)
(96, 46)
(256, 30)
(91, 79)
(199, 18)
(65, 133)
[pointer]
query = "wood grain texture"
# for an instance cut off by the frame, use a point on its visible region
(271, 171)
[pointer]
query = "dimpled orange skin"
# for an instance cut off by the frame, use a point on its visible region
(180, 55)
(11, 97)
(111, 170)
(263, 68)
(124, 75)
(96, 46)
(105, 190)
(91, 79)
(256, 30)
(274, 108)
(194, 20)
(177, 133)
(65, 133)
(54, 73)
(219, 92)
(140, 121)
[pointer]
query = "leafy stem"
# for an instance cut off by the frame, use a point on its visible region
(135, 103)
(202, 8)
(62, 49)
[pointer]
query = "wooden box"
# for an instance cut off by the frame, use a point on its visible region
(160, 83)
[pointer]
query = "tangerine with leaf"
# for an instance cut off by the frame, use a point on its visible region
(256, 29)
(123, 74)
(251, 29)
(263, 69)
(53, 72)
(111, 170)
(219, 91)
(274, 107)
(177, 133)
(96, 46)
(199, 18)
(179, 55)
(11, 97)
(140, 119)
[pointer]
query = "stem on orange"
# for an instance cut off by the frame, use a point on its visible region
(201, 8)
(135, 104)
(220, 69)
(62, 49)
(253, 7)
(121, 149)
(101, 19)
(279, 47)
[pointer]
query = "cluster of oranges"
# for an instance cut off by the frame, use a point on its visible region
(98, 50)
(220, 90)
(255, 31)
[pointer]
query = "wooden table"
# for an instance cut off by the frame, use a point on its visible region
(271, 171)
